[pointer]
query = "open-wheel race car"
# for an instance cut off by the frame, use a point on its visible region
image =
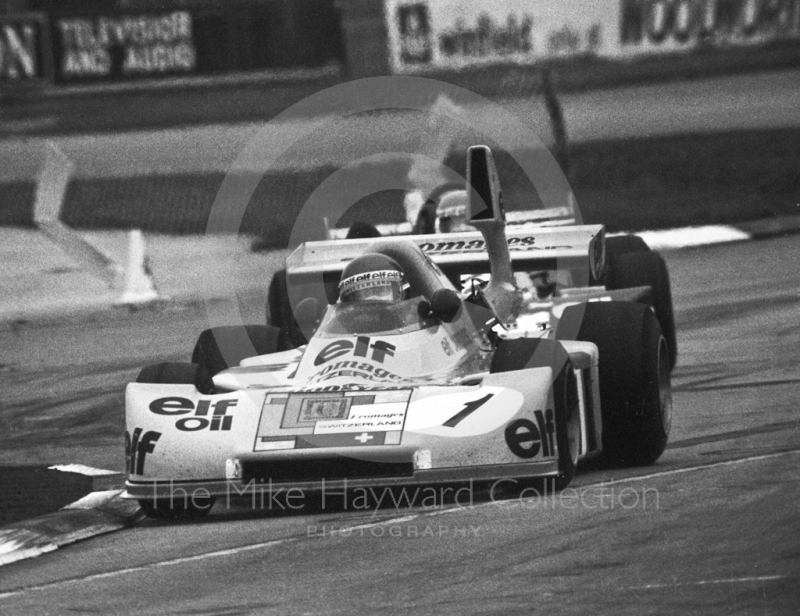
(426, 363)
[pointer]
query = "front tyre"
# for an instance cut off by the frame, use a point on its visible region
(635, 389)
(178, 373)
(220, 348)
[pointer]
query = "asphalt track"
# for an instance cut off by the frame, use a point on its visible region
(712, 528)
(754, 101)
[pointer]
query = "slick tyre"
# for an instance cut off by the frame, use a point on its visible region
(172, 373)
(538, 353)
(635, 390)
(189, 508)
(220, 348)
(648, 269)
(622, 244)
(280, 313)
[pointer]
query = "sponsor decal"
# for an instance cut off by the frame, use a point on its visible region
(377, 277)
(354, 369)
(349, 439)
(217, 420)
(446, 347)
(526, 439)
(137, 446)
(350, 387)
(442, 247)
(314, 409)
(335, 419)
(361, 348)
(387, 275)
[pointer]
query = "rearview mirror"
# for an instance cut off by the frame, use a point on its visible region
(307, 314)
(445, 305)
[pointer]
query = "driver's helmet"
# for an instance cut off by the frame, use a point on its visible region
(372, 277)
(451, 213)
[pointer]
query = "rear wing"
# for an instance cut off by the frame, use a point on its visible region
(573, 247)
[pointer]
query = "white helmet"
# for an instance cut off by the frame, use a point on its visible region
(451, 213)
(372, 277)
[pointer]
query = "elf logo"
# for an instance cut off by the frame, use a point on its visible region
(137, 447)
(525, 438)
(218, 420)
(380, 349)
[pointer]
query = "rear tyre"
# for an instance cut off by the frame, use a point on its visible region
(189, 508)
(222, 347)
(279, 309)
(647, 269)
(539, 353)
(622, 244)
(635, 390)
(173, 373)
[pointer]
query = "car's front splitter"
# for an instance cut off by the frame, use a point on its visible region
(252, 489)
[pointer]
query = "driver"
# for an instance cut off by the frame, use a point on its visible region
(373, 277)
(451, 213)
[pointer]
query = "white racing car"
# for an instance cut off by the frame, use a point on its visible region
(409, 380)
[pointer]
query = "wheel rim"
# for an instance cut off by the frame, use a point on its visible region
(573, 417)
(664, 386)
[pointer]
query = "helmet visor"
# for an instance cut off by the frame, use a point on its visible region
(377, 286)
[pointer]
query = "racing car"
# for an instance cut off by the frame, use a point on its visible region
(426, 363)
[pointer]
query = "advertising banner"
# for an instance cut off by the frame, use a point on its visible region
(451, 34)
(23, 49)
(103, 47)
(436, 34)
(658, 26)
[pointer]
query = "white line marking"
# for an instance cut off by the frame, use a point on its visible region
(762, 578)
(195, 558)
(699, 467)
(675, 471)
(82, 469)
(14, 556)
(691, 236)
(155, 565)
(93, 500)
